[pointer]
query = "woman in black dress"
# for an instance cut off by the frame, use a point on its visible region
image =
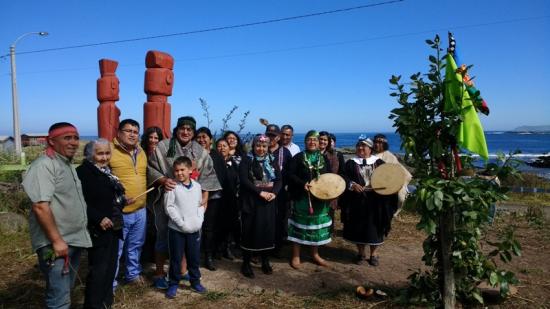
(260, 182)
(104, 195)
(231, 214)
(211, 227)
(366, 214)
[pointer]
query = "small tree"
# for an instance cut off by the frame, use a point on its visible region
(225, 120)
(453, 209)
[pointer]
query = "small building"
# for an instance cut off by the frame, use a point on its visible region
(34, 139)
(7, 143)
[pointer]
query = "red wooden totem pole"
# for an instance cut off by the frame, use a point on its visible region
(107, 94)
(159, 81)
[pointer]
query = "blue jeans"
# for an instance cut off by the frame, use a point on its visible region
(134, 229)
(184, 243)
(58, 281)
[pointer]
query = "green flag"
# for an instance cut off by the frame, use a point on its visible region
(470, 133)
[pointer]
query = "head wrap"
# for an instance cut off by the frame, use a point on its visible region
(311, 133)
(265, 161)
(58, 131)
(364, 140)
(185, 120)
(382, 138)
(260, 138)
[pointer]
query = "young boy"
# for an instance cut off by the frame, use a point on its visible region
(183, 207)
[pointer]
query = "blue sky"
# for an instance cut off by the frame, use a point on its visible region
(327, 72)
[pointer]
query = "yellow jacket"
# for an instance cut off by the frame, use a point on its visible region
(132, 175)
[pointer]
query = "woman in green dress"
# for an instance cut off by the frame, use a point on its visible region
(309, 222)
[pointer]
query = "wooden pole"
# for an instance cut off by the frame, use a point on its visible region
(446, 230)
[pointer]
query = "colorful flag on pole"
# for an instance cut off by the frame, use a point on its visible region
(470, 134)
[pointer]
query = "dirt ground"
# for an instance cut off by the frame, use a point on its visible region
(312, 286)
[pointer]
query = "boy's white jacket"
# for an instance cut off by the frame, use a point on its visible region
(183, 207)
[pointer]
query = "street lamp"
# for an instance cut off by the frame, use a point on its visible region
(14, 97)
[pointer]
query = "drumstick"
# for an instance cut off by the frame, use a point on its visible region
(310, 205)
(148, 190)
(373, 189)
(264, 121)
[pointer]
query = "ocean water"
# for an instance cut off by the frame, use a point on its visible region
(531, 145)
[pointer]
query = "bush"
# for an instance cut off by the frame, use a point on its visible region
(11, 176)
(17, 202)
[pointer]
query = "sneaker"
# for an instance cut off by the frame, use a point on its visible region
(197, 287)
(172, 291)
(160, 283)
(209, 263)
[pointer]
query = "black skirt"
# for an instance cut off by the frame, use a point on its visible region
(367, 217)
(258, 223)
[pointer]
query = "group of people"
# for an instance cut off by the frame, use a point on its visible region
(205, 197)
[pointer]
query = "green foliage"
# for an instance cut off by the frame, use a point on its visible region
(428, 137)
(17, 202)
(11, 176)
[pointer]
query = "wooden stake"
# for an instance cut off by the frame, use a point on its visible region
(446, 231)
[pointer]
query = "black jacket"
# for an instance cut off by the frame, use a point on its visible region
(99, 193)
(299, 174)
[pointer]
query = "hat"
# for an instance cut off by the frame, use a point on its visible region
(186, 120)
(272, 129)
(365, 141)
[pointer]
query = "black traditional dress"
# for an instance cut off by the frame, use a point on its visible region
(258, 215)
(305, 227)
(367, 215)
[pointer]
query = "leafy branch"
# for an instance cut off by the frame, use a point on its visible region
(428, 135)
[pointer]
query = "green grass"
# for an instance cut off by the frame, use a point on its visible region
(529, 199)
(215, 295)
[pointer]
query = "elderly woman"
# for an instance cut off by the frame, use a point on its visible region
(104, 195)
(260, 182)
(366, 214)
(381, 150)
(309, 222)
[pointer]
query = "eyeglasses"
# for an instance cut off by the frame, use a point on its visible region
(128, 131)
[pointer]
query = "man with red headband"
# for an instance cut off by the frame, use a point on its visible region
(58, 217)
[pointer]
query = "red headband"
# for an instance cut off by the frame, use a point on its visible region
(50, 152)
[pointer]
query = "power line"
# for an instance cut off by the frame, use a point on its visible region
(263, 22)
(321, 45)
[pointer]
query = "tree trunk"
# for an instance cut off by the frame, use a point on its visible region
(447, 226)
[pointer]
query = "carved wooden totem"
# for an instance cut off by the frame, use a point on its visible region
(107, 94)
(159, 81)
